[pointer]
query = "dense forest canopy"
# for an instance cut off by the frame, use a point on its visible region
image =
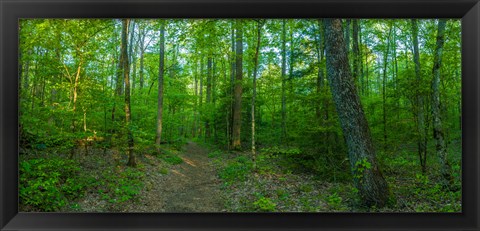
(370, 107)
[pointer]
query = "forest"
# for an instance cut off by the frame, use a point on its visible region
(240, 115)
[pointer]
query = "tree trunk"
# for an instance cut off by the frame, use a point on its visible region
(283, 136)
(44, 84)
(368, 179)
(356, 55)
(161, 72)
(74, 105)
(132, 35)
(237, 109)
(291, 57)
(195, 102)
(142, 51)
(438, 132)
(322, 104)
(214, 99)
(200, 133)
(347, 35)
(395, 73)
(422, 148)
(119, 80)
(254, 86)
(132, 53)
(360, 57)
(232, 84)
(126, 75)
(120, 75)
(209, 97)
(384, 89)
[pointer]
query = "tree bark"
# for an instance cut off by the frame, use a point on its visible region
(360, 57)
(195, 102)
(237, 109)
(368, 179)
(232, 84)
(347, 35)
(126, 75)
(356, 54)
(283, 136)
(123, 56)
(291, 59)
(200, 133)
(74, 100)
(422, 139)
(254, 86)
(384, 88)
(209, 97)
(132, 53)
(322, 104)
(142, 51)
(119, 79)
(438, 132)
(161, 72)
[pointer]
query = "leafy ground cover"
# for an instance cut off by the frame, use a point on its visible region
(275, 185)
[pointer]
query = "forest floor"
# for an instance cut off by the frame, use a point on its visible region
(197, 177)
(190, 186)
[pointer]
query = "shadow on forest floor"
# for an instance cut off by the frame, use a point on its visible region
(195, 178)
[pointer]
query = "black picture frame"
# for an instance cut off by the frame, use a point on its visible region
(12, 10)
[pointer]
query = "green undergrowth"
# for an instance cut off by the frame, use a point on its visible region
(278, 182)
(53, 182)
(49, 184)
(168, 153)
(120, 184)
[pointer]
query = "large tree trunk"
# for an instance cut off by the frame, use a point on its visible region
(161, 70)
(368, 179)
(237, 109)
(422, 139)
(126, 75)
(360, 58)
(347, 35)
(356, 55)
(438, 133)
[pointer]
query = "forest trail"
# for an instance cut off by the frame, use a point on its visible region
(191, 186)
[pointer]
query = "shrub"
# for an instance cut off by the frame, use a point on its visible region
(214, 154)
(171, 158)
(264, 204)
(116, 187)
(334, 200)
(48, 184)
(236, 170)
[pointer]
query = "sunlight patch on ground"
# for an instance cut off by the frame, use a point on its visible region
(189, 162)
(178, 173)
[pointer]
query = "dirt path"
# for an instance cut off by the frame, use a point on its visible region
(189, 187)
